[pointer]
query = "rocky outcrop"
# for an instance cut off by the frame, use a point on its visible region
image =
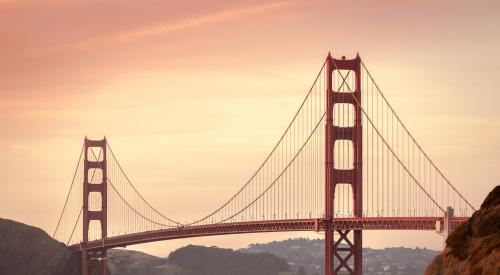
(474, 247)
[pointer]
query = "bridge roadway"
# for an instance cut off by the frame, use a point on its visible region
(366, 223)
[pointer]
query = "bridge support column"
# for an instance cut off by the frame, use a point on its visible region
(447, 226)
(94, 182)
(85, 264)
(343, 254)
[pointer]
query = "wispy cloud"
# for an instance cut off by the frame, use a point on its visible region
(18, 146)
(170, 27)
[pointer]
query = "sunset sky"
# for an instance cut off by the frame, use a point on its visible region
(192, 95)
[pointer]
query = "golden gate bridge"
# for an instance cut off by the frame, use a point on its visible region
(345, 163)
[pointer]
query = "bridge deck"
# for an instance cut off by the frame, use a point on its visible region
(386, 223)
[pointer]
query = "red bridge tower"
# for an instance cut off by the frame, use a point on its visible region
(348, 244)
(94, 181)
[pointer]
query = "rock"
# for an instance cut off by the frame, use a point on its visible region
(474, 247)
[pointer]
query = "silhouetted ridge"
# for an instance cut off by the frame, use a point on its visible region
(217, 261)
(29, 250)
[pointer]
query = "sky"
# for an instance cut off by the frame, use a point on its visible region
(208, 86)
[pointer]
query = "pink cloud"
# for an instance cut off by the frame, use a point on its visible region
(132, 35)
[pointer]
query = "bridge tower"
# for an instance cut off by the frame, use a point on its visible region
(94, 184)
(348, 245)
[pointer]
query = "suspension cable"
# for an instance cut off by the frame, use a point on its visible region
(269, 155)
(69, 193)
(413, 139)
(282, 172)
(136, 191)
(387, 145)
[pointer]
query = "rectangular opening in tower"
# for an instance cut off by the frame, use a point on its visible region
(95, 201)
(343, 81)
(343, 201)
(343, 154)
(343, 115)
(95, 176)
(95, 232)
(95, 154)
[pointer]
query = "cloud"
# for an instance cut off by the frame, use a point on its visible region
(169, 27)
(19, 146)
(59, 61)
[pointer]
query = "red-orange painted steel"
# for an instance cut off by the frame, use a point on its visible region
(90, 185)
(334, 176)
(329, 168)
(394, 223)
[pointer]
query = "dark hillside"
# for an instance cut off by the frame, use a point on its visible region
(218, 261)
(474, 247)
(29, 250)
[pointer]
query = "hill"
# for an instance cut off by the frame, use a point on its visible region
(128, 262)
(474, 247)
(29, 250)
(197, 260)
(306, 256)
